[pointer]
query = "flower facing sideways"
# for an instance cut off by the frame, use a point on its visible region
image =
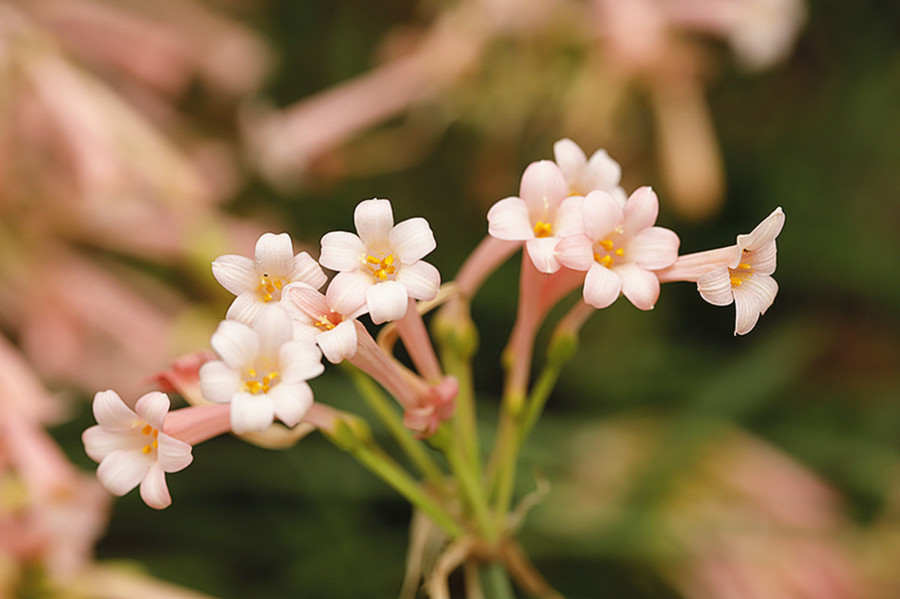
(131, 447)
(326, 320)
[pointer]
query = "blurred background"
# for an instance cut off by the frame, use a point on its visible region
(138, 141)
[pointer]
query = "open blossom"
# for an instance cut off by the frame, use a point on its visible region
(541, 215)
(620, 248)
(584, 175)
(262, 372)
(259, 281)
(326, 320)
(382, 266)
(131, 447)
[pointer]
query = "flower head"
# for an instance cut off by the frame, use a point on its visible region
(541, 215)
(584, 175)
(260, 281)
(382, 266)
(262, 372)
(620, 248)
(132, 448)
(326, 320)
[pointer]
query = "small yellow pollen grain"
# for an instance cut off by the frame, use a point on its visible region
(147, 429)
(542, 229)
(619, 252)
(146, 449)
(607, 244)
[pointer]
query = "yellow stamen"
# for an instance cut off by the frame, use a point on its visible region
(381, 268)
(257, 385)
(604, 259)
(147, 429)
(736, 282)
(542, 229)
(146, 449)
(744, 266)
(607, 244)
(619, 252)
(268, 286)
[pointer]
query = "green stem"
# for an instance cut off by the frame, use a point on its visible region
(469, 483)
(495, 580)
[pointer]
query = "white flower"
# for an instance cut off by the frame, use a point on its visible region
(262, 372)
(326, 320)
(259, 281)
(382, 266)
(131, 447)
(541, 215)
(584, 175)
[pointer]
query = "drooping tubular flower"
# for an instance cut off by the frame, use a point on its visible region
(620, 249)
(262, 371)
(131, 447)
(541, 215)
(260, 281)
(740, 273)
(584, 175)
(382, 266)
(326, 320)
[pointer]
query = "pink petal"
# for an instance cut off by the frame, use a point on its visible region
(307, 270)
(640, 286)
(99, 442)
(173, 454)
(508, 220)
(291, 402)
(412, 240)
(236, 343)
(346, 293)
(569, 217)
(601, 172)
(602, 214)
(245, 308)
(374, 220)
(154, 490)
(219, 382)
(152, 408)
(542, 189)
(575, 252)
(570, 158)
(422, 280)
(387, 301)
(273, 328)
(715, 287)
(274, 254)
(751, 299)
(237, 274)
(111, 412)
(641, 210)
(305, 299)
(339, 343)
(765, 232)
(122, 470)
(601, 286)
(300, 361)
(764, 259)
(654, 248)
(542, 252)
(342, 251)
(251, 413)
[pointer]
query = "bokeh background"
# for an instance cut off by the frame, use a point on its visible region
(139, 142)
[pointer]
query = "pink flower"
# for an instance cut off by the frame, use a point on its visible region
(541, 215)
(382, 266)
(259, 281)
(620, 249)
(585, 175)
(131, 447)
(326, 320)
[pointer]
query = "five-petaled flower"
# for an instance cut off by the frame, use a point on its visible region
(584, 175)
(132, 448)
(326, 320)
(620, 248)
(259, 281)
(382, 266)
(262, 372)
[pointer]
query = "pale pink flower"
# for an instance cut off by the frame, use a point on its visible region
(131, 447)
(620, 249)
(262, 372)
(584, 175)
(382, 265)
(541, 215)
(259, 281)
(326, 320)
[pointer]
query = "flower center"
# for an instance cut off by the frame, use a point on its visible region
(152, 439)
(326, 322)
(542, 229)
(606, 252)
(255, 384)
(269, 287)
(381, 268)
(738, 275)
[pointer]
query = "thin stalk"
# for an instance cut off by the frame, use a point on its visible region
(473, 493)
(496, 581)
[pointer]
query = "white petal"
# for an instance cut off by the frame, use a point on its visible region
(237, 274)
(764, 259)
(219, 382)
(251, 413)
(422, 280)
(374, 220)
(575, 252)
(570, 158)
(123, 470)
(152, 408)
(620, 195)
(339, 343)
(99, 443)
(715, 287)
(765, 232)
(236, 343)
(342, 251)
(542, 252)
(640, 286)
(110, 411)
(307, 270)
(654, 248)
(346, 293)
(602, 214)
(641, 210)
(508, 219)
(274, 254)
(387, 301)
(601, 172)
(304, 302)
(542, 188)
(154, 490)
(569, 217)
(273, 327)
(751, 299)
(300, 361)
(412, 240)
(291, 402)
(245, 308)
(601, 286)
(173, 454)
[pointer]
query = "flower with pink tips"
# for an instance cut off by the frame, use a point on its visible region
(326, 320)
(620, 248)
(382, 266)
(541, 215)
(584, 175)
(259, 281)
(132, 448)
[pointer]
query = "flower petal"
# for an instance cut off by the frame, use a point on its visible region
(152, 408)
(542, 252)
(575, 252)
(303, 302)
(570, 158)
(291, 402)
(715, 287)
(654, 248)
(640, 286)
(299, 361)
(764, 232)
(274, 254)
(236, 343)
(237, 274)
(422, 280)
(601, 172)
(111, 413)
(508, 219)
(602, 214)
(339, 343)
(601, 286)
(374, 220)
(569, 217)
(412, 240)
(99, 442)
(306, 270)
(387, 301)
(764, 259)
(173, 454)
(542, 188)
(346, 294)
(751, 299)
(122, 470)
(273, 328)
(154, 490)
(219, 382)
(251, 413)
(245, 308)
(342, 251)
(641, 210)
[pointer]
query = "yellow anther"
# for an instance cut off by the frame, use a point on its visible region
(146, 449)
(381, 268)
(606, 244)
(744, 266)
(147, 429)
(268, 285)
(603, 259)
(619, 252)
(324, 323)
(542, 229)
(373, 260)
(736, 282)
